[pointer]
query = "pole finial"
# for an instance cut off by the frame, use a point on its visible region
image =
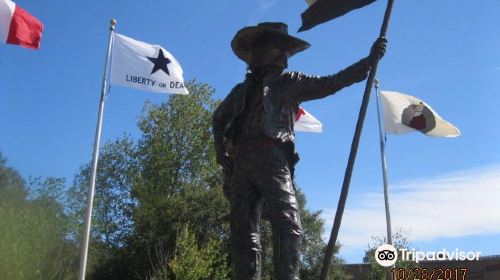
(376, 81)
(112, 24)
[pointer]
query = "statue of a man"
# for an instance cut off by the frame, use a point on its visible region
(254, 141)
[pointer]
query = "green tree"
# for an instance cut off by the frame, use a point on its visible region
(148, 189)
(12, 185)
(179, 178)
(33, 243)
(191, 262)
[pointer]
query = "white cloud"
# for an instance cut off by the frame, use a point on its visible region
(453, 205)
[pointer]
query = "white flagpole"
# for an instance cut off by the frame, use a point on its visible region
(90, 195)
(384, 166)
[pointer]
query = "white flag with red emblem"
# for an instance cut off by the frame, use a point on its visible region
(18, 27)
(306, 122)
(405, 113)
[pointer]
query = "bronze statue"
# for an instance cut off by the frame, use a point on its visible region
(254, 141)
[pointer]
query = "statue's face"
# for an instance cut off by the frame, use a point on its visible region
(269, 56)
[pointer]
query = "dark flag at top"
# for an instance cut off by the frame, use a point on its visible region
(321, 11)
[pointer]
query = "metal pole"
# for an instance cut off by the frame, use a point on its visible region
(329, 250)
(90, 195)
(384, 166)
(384, 173)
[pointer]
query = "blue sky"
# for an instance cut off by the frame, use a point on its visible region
(444, 192)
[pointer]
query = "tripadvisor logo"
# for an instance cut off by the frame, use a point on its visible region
(386, 255)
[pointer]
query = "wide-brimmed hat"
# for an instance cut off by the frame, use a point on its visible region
(272, 34)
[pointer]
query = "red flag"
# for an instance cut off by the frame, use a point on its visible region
(18, 27)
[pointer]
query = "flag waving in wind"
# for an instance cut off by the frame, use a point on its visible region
(321, 11)
(143, 66)
(306, 122)
(18, 27)
(405, 113)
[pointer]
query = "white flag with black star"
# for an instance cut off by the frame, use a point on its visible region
(143, 66)
(405, 113)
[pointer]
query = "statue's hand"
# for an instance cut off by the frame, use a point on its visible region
(378, 49)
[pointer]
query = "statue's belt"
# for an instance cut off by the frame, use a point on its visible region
(253, 145)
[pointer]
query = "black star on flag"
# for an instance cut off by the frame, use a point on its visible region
(160, 63)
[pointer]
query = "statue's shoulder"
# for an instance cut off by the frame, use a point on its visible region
(238, 88)
(235, 95)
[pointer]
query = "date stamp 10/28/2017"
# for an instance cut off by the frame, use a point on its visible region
(429, 273)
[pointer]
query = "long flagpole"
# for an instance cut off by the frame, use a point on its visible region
(97, 140)
(384, 171)
(329, 250)
(384, 165)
